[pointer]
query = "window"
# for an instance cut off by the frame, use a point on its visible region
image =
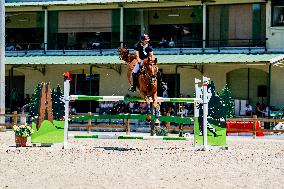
(277, 13)
(226, 27)
(278, 16)
(180, 26)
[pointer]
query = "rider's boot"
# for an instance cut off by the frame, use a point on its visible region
(134, 82)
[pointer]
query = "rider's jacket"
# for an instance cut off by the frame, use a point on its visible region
(144, 52)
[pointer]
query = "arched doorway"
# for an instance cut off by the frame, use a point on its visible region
(249, 84)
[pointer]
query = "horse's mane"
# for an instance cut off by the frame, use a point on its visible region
(131, 57)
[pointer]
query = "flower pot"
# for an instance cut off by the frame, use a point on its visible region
(20, 141)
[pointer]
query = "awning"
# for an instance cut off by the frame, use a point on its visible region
(14, 3)
(162, 59)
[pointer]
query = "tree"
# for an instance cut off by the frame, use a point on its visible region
(34, 102)
(215, 106)
(227, 101)
(57, 103)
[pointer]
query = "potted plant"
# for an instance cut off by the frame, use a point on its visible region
(21, 134)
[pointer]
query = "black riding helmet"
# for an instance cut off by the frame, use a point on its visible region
(145, 37)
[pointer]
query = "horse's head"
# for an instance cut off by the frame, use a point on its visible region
(151, 68)
(123, 53)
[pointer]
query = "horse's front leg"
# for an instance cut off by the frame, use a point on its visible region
(148, 108)
(156, 106)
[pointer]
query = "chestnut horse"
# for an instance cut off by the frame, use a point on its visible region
(147, 79)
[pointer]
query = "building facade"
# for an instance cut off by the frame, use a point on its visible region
(237, 42)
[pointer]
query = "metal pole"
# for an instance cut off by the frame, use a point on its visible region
(269, 90)
(2, 60)
(45, 29)
(248, 97)
(90, 85)
(205, 112)
(66, 102)
(142, 24)
(121, 27)
(196, 104)
(204, 26)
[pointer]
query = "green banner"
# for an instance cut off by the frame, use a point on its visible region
(216, 136)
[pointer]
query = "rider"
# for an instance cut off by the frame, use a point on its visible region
(142, 50)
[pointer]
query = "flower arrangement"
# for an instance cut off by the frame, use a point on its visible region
(23, 130)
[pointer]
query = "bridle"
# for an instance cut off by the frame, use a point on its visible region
(151, 71)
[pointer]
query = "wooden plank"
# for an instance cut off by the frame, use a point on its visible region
(109, 126)
(13, 115)
(177, 129)
(252, 131)
(270, 120)
(240, 119)
(252, 119)
(7, 124)
(10, 124)
(100, 126)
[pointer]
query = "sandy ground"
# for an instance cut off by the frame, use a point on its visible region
(93, 163)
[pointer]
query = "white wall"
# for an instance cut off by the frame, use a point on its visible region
(113, 83)
(277, 87)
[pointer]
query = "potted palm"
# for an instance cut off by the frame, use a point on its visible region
(21, 134)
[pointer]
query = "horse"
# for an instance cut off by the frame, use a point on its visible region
(147, 79)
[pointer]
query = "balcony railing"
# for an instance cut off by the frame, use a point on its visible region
(162, 46)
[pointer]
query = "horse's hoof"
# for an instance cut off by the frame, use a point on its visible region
(148, 118)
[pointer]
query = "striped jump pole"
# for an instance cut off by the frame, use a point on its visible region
(127, 137)
(130, 99)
